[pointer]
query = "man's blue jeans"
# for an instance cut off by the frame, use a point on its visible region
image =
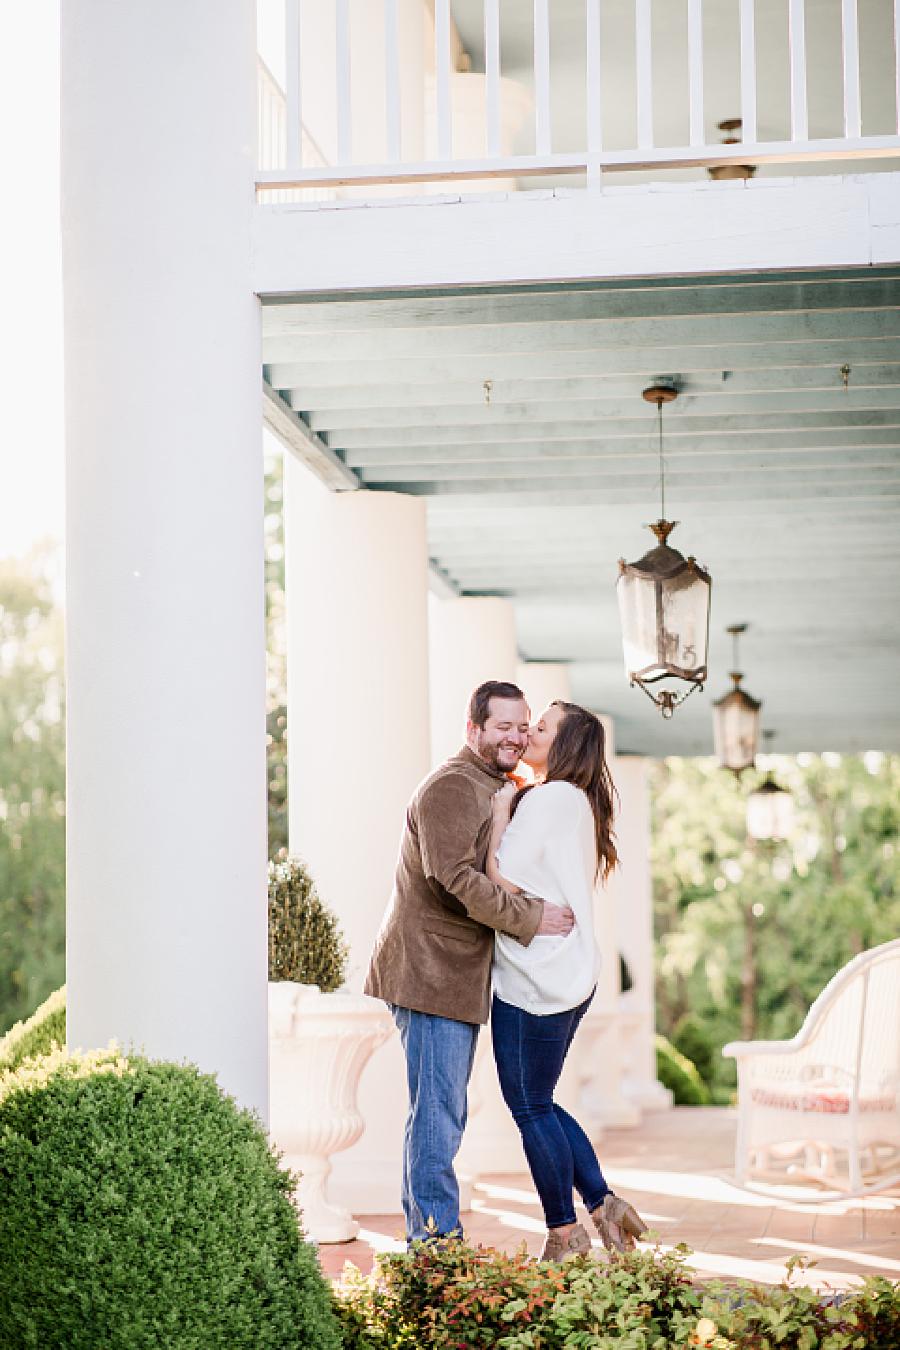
(529, 1052)
(439, 1057)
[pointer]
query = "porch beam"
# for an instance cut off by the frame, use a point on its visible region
(295, 435)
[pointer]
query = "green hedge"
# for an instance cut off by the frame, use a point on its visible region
(44, 1029)
(139, 1208)
(676, 1072)
(450, 1296)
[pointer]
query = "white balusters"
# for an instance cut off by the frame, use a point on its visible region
(392, 78)
(492, 75)
(644, 69)
(542, 77)
(442, 78)
(594, 105)
(289, 158)
(293, 112)
(748, 70)
(342, 74)
(695, 69)
(850, 33)
(797, 38)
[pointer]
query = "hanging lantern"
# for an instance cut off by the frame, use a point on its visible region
(664, 606)
(736, 719)
(770, 808)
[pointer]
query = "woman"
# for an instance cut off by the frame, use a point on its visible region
(554, 840)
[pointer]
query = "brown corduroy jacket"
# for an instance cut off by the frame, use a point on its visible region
(433, 951)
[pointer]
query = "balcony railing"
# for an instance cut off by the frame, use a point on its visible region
(358, 110)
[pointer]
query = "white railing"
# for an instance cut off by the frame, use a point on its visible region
(273, 142)
(290, 159)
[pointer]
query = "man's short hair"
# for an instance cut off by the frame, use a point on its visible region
(480, 702)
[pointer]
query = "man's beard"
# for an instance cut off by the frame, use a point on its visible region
(491, 754)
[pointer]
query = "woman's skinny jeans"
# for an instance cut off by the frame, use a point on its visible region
(529, 1052)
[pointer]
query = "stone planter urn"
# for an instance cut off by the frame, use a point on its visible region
(319, 1045)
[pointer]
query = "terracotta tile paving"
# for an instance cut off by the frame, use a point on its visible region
(676, 1168)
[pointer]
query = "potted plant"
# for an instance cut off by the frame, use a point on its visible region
(320, 1039)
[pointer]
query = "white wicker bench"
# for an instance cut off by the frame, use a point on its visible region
(825, 1106)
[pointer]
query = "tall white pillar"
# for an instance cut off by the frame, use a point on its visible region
(166, 835)
(634, 920)
(358, 744)
(543, 683)
(471, 639)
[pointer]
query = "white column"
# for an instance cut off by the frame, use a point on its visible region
(543, 682)
(634, 917)
(166, 847)
(597, 1064)
(471, 639)
(358, 744)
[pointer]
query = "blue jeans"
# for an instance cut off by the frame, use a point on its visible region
(439, 1057)
(529, 1052)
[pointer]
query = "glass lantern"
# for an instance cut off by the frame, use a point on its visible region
(664, 603)
(736, 719)
(770, 811)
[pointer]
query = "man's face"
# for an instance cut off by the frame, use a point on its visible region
(502, 740)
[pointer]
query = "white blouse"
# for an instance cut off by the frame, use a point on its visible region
(549, 849)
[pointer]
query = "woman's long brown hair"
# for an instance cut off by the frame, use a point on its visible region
(577, 755)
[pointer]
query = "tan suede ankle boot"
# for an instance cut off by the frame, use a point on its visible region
(563, 1248)
(618, 1224)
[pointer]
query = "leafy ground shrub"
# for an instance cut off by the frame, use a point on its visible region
(691, 1036)
(451, 1296)
(140, 1207)
(45, 1028)
(676, 1072)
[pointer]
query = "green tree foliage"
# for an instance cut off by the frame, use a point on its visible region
(32, 785)
(806, 906)
(43, 1032)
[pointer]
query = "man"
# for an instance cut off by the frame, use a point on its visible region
(432, 958)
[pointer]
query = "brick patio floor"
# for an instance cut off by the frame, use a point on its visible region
(676, 1169)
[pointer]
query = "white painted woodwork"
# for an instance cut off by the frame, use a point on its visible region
(371, 37)
(393, 108)
(850, 50)
(643, 60)
(166, 820)
(470, 640)
(542, 133)
(633, 891)
(342, 81)
(692, 228)
(748, 69)
(492, 75)
(797, 49)
(695, 69)
(293, 100)
(442, 78)
(356, 588)
(296, 436)
(543, 682)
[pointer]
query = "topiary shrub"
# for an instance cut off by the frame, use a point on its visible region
(676, 1072)
(139, 1208)
(305, 939)
(691, 1037)
(44, 1030)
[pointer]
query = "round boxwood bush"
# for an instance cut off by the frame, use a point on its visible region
(44, 1029)
(140, 1207)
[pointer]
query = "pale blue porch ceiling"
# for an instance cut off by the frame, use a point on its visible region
(787, 483)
